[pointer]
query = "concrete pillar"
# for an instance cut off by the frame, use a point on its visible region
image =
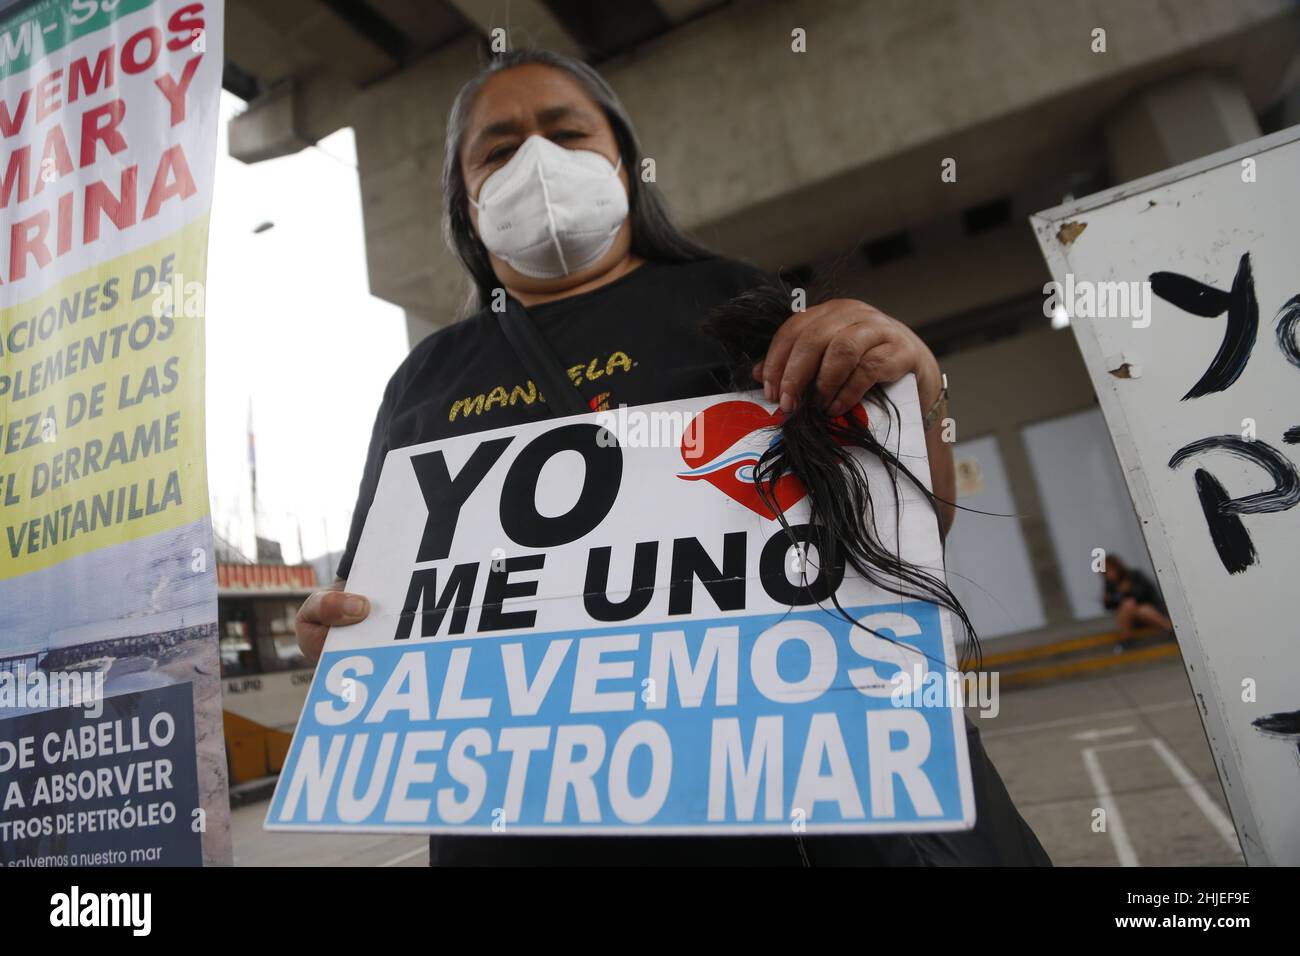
(1175, 122)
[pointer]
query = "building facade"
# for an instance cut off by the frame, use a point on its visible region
(890, 150)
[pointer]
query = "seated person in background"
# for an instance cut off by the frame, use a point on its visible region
(1135, 599)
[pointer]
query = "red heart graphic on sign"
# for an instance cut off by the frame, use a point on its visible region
(719, 449)
(714, 448)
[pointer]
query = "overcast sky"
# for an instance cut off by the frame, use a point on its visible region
(292, 326)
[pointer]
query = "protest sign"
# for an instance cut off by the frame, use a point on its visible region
(594, 625)
(110, 702)
(1182, 292)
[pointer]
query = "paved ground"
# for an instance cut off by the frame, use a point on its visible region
(1129, 744)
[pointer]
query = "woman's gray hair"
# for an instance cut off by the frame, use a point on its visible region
(654, 236)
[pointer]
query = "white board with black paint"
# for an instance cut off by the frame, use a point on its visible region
(1200, 387)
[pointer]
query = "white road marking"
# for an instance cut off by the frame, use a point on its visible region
(398, 860)
(1087, 718)
(1219, 821)
(1099, 734)
(1114, 822)
(1200, 796)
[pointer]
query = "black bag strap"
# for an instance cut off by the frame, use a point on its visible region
(540, 361)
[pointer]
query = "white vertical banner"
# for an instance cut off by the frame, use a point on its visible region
(111, 749)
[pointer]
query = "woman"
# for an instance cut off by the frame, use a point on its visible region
(543, 203)
(1136, 601)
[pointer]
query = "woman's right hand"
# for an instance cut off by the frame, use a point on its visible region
(329, 607)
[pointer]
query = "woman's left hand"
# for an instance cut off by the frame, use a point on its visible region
(846, 346)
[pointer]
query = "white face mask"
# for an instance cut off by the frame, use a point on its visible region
(550, 211)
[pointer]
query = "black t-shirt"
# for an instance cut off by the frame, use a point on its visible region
(632, 342)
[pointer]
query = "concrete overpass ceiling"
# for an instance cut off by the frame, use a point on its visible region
(603, 30)
(360, 41)
(427, 24)
(595, 30)
(1045, 143)
(288, 38)
(679, 11)
(792, 161)
(302, 63)
(235, 79)
(363, 41)
(528, 23)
